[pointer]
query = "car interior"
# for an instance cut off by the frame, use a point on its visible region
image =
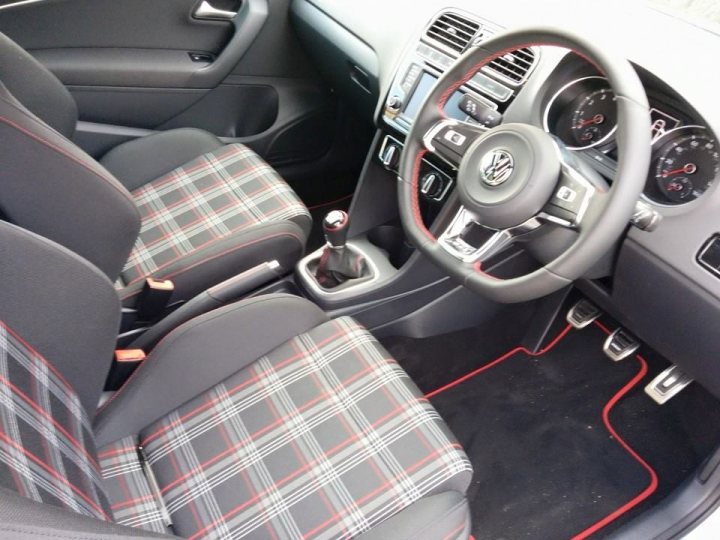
(314, 269)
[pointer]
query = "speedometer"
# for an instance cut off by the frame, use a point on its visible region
(685, 164)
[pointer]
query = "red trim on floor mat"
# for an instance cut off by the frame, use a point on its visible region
(652, 486)
(501, 359)
(320, 205)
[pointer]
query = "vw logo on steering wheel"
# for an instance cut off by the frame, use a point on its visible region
(496, 167)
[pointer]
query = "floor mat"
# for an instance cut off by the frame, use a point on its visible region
(546, 464)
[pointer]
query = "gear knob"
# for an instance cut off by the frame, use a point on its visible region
(335, 227)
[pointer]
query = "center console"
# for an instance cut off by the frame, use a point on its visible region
(397, 280)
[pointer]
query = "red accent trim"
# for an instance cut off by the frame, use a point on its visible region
(414, 197)
(455, 532)
(502, 358)
(321, 205)
(642, 372)
(652, 486)
(69, 156)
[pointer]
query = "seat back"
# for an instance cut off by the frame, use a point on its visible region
(36, 88)
(47, 184)
(58, 321)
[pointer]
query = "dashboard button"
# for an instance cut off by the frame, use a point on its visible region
(709, 255)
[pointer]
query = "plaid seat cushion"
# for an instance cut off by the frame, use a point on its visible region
(46, 443)
(323, 437)
(135, 502)
(218, 194)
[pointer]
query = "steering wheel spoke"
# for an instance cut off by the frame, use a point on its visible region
(469, 241)
(449, 139)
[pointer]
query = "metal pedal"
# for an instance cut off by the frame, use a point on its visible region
(620, 344)
(667, 385)
(582, 314)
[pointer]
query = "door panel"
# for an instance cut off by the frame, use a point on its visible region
(140, 24)
(127, 63)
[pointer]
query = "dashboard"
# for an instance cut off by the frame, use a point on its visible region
(665, 283)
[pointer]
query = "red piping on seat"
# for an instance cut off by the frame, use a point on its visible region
(653, 484)
(68, 155)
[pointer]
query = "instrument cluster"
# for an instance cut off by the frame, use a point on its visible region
(685, 160)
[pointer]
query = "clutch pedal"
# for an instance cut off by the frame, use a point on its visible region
(582, 314)
(667, 385)
(620, 344)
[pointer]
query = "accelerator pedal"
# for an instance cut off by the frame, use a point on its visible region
(667, 385)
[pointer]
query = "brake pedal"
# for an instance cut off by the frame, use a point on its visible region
(667, 385)
(620, 344)
(582, 314)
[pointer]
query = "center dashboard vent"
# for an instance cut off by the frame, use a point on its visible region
(514, 66)
(452, 31)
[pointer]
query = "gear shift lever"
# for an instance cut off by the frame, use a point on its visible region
(335, 227)
(338, 262)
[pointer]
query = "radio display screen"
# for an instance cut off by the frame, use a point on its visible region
(426, 82)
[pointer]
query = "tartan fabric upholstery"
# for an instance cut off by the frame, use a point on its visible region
(323, 437)
(47, 451)
(220, 193)
(134, 503)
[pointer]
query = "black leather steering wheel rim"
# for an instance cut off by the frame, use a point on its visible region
(607, 220)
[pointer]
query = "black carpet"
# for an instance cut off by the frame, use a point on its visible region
(545, 464)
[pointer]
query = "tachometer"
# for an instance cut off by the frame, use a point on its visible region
(594, 118)
(684, 165)
(583, 113)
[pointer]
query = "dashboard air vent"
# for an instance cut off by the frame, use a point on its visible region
(514, 66)
(452, 31)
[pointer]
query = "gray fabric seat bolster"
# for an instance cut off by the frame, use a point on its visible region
(38, 89)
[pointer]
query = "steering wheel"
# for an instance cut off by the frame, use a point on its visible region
(515, 180)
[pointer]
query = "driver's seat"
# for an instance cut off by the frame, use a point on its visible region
(263, 419)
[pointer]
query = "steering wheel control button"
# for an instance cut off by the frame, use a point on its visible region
(496, 167)
(620, 344)
(480, 112)
(583, 314)
(455, 138)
